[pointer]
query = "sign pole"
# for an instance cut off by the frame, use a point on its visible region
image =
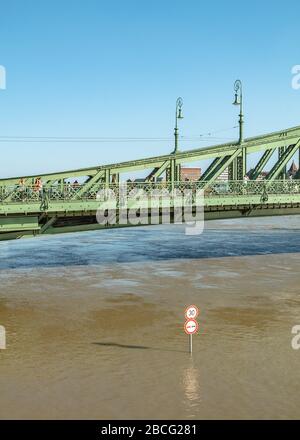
(191, 344)
(191, 325)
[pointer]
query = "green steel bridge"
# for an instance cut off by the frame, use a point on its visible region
(65, 207)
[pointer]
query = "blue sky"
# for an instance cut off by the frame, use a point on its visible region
(114, 69)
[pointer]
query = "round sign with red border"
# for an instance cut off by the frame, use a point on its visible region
(191, 327)
(191, 312)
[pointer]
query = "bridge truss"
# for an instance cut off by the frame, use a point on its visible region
(64, 207)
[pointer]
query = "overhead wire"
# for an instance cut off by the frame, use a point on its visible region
(104, 139)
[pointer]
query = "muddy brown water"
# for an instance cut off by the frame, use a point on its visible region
(94, 323)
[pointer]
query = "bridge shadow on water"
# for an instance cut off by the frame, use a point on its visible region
(144, 244)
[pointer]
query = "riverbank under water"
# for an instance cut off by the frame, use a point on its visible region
(94, 323)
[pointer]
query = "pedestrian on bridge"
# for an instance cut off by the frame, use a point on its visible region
(245, 179)
(22, 189)
(38, 187)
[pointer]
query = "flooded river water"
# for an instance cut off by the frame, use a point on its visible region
(94, 323)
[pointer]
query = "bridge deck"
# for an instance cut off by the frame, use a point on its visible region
(23, 210)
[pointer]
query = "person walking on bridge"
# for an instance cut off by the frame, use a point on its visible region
(245, 180)
(22, 189)
(38, 187)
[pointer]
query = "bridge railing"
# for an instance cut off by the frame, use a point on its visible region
(77, 192)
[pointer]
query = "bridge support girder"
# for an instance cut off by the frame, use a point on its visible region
(261, 164)
(219, 165)
(157, 172)
(284, 156)
(173, 172)
(238, 167)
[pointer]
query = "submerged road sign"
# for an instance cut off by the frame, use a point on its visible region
(191, 327)
(191, 312)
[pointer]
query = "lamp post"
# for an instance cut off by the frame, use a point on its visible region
(178, 115)
(238, 100)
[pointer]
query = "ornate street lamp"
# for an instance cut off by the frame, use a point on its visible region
(238, 100)
(178, 115)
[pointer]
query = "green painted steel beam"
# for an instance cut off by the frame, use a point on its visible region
(282, 161)
(221, 165)
(258, 143)
(91, 182)
(157, 172)
(261, 164)
(20, 223)
(210, 168)
(48, 225)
